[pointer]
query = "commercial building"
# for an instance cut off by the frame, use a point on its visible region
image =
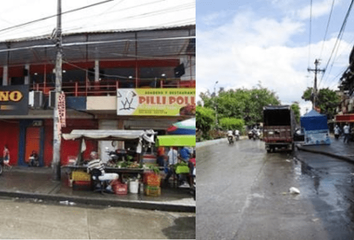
(111, 80)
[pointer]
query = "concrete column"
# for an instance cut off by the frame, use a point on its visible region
(27, 78)
(5, 76)
(102, 145)
(97, 70)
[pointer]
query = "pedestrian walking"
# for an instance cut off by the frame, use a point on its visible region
(346, 130)
(336, 132)
(6, 157)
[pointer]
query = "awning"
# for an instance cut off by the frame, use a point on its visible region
(117, 135)
(175, 140)
(344, 118)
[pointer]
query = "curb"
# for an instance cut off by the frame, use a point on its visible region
(105, 202)
(347, 159)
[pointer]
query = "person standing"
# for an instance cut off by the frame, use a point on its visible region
(171, 162)
(6, 157)
(161, 156)
(346, 130)
(185, 154)
(336, 131)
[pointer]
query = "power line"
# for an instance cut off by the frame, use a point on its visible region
(339, 37)
(329, 20)
(310, 34)
(52, 16)
(97, 42)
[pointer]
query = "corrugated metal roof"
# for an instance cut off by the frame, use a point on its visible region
(141, 44)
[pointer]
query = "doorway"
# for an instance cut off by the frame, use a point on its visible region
(32, 142)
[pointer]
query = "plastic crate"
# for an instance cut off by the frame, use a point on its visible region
(152, 179)
(152, 191)
(120, 188)
(81, 185)
(80, 176)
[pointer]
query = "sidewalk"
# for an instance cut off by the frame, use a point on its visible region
(337, 149)
(37, 184)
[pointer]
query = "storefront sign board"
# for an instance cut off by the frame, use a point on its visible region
(14, 100)
(156, 102)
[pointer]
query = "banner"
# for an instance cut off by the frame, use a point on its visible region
(62, 109)
(14, 100)
(156, 102)
(317, 137)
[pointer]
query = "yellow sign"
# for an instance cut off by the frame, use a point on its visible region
(156, 102)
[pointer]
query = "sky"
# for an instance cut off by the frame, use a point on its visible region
(110, 15)
(242, 43)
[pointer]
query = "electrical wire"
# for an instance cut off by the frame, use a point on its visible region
(328, 22)
(96, 42)
(52, 16)
(139, 16)
(339, 37)
(310, 34)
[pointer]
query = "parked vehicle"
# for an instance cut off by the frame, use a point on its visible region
(278, 128)
(299, 135)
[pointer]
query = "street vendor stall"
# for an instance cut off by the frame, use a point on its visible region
(182, 167)
(143, 140)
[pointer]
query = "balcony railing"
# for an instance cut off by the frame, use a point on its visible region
(109, 87)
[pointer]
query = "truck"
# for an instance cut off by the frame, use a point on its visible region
(278, 128)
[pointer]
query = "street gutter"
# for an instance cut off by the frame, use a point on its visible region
(347, 159)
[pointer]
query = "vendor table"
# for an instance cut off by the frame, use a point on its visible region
(120, 171)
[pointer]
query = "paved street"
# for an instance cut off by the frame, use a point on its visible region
(243, 193)
(21, 219)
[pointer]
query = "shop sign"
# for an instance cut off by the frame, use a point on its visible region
(14, 100)
(62, 109)
(37, 123)
(156, 102)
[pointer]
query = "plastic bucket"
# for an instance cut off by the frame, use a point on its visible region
(133, 186)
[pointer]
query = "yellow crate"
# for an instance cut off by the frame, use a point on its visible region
(80, 176)
(152, 191)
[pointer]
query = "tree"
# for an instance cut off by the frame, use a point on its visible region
(232, 123)
(246, 104)
(296, 109)
(205, 118)
(327, 100)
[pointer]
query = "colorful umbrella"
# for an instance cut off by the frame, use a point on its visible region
(186, 127)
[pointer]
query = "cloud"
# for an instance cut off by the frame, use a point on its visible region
(248, 50)
(318, 9)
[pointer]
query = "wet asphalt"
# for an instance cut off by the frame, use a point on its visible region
(243, 193)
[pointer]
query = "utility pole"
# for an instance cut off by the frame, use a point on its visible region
(216, 109)
(314, 92)
(58, 83)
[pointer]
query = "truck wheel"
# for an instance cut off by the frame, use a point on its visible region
(268, 150)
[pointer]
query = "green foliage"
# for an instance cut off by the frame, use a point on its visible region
(327, 100)
(205, 118)
(241, 103)
(296, 109)
(232, 123)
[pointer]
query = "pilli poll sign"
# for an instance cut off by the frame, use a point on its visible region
(14, 100)
(156, 102)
